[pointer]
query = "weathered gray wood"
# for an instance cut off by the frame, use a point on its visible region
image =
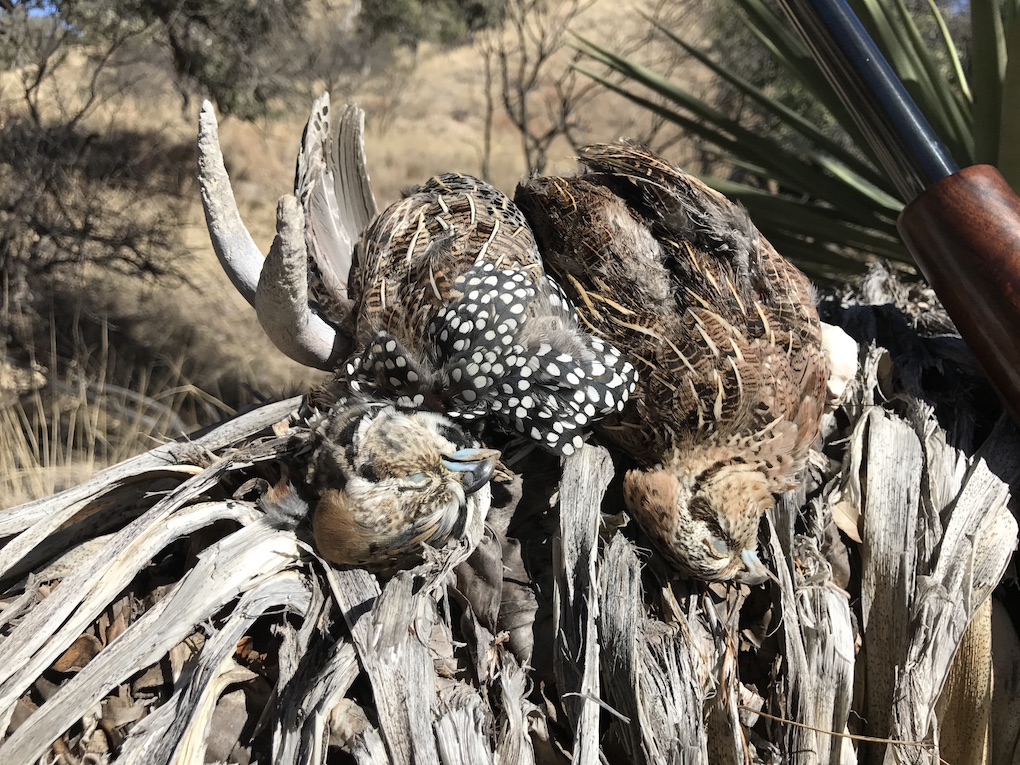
(367, 748)
(653, 674)
(818, 638)
(620, 636)
(310, 685)
(979, 538)
(55, 622)
(586, 476)
(15, 608)
(297, 681)
(501, 676)
(191, 725)
(306, 707)
(933, 550)
(54, 510)
(890, 489)
(403, 679)
(724, 728)
(237, 563)
(513, 746)
(176, 732)
(126, 553)
(329, 687)
(463, 723)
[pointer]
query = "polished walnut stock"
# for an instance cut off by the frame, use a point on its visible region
(964, 234)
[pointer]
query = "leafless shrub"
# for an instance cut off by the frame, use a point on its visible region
(530, 61)
(74, 188)
(68, 195)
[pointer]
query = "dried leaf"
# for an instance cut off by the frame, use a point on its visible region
(120, 621)
(346, 720)
(81, 652)
(847, 518)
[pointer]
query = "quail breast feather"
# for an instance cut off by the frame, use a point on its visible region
(456, 314)
(722, 331)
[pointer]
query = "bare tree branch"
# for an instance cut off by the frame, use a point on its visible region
(539, 91)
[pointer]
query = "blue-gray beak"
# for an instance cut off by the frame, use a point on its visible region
(474, 465)
(756, 572)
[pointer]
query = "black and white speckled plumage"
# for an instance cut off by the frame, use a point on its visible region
(455, 314)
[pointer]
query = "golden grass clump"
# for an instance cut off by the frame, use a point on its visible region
(63, 420)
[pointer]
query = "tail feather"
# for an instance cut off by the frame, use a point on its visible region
(332, 184)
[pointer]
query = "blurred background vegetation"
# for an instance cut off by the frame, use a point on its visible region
(117, 328)
(777, 137)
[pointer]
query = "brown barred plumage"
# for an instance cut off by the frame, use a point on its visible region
(723, 334)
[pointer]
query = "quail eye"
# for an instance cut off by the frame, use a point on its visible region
(418, 479)
(717, 546)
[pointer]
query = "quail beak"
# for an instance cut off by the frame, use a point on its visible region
(756, 572)
(475, 466)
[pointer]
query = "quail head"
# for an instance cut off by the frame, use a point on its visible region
(392, 481)
(724, 336)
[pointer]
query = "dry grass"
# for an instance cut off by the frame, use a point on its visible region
(62, 421)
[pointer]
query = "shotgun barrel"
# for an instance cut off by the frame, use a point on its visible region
(961, 226)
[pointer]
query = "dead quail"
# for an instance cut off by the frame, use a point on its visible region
(453, 312)
(391, 481)
(722, 331)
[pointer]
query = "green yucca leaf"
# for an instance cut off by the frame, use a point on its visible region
(789, 117)
(773, 32)
(950, 48)
(821, 223)
(988, 67)
(954, 120)
(798, 171)
(883, 199)
(834, 206)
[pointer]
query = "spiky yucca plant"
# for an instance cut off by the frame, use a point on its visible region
(833, 208)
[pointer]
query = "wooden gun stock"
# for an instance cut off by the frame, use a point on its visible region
(964, 234)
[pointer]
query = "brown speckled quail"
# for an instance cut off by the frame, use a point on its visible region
(450, 309)
(722, 331)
